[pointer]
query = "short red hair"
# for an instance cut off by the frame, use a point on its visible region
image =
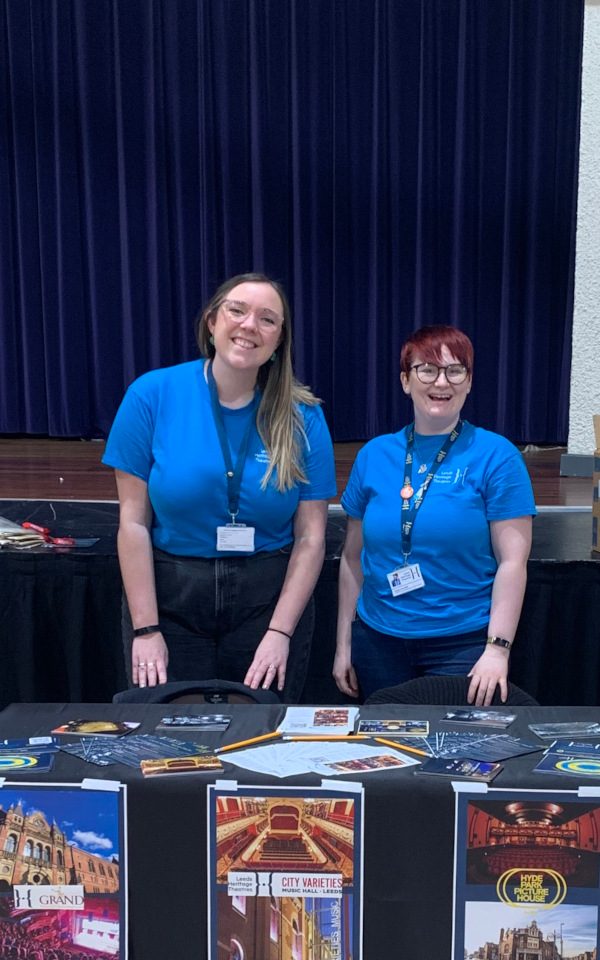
(427, 343)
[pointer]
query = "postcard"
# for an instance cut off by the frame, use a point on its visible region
(372, 764)
(483, 718)
(394, 728)
(130, 751)
(96, 728)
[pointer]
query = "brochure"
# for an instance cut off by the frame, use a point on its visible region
(569, 765)
(96, 728)
(29, 745)
(319, 721)
(168, 766)
(460, 768)
(483, 718)
(203, 722)
(564, 731)
(130, 751)
(25, 763)
(394, 728)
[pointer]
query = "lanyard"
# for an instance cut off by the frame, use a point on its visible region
(409, 514)
(232, 473)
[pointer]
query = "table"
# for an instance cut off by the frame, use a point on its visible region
(409, 828)
(60, 633)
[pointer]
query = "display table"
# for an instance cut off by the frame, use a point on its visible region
(409, 829)
(60, 633)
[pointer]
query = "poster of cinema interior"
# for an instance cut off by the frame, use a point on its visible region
(527, 874)
(62, 864)
(285, 873)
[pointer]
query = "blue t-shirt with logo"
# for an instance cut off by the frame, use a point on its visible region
(482, 479)
(164, 433)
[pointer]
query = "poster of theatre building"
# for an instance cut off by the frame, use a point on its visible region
(62, 884)
(285, 874)
(527, 876)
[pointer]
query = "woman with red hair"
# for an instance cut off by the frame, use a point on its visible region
(434, 566)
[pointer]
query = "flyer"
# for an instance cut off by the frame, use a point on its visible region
(63, 864)
(285, 869)
(526, 874)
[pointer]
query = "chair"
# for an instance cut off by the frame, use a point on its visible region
(450, 691)
(196, 691)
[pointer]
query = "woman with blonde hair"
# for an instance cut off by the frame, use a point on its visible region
(224, 466)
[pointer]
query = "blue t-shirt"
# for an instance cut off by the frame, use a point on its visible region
(482, 479)
(164, 433)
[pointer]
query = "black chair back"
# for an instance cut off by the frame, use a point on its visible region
(197, 691)
(450, 691)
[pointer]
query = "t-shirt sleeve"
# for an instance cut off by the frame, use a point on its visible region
(129, 444)
(509, 493)
(355, 497)
(319, 462)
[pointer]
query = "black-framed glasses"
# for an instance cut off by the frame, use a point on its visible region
(429, 372)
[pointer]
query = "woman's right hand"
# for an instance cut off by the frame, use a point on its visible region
(344, 673)
(149, 660)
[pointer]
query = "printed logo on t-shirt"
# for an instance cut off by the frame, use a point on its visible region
(262, 456)
(451, 476)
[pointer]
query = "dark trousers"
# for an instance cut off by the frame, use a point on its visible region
(213, 613)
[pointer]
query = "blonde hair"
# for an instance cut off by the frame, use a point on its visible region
(279, 420)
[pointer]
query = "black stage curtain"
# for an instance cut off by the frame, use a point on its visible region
(393, 162)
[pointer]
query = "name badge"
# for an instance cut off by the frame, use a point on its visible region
(235, 537)
(405, 579)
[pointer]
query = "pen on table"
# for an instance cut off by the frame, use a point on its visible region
(401, 746)
(246, 743)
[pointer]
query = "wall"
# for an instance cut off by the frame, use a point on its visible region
(585, 370)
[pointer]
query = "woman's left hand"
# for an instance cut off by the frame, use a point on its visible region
(270, 661)
(490, 671)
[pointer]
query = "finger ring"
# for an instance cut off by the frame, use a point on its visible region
(151, 663)
(142, 663)
(272, 666)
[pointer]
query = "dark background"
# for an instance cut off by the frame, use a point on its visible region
(392, 162)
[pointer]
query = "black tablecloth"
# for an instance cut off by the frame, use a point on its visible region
(60, 635)
(409, 830)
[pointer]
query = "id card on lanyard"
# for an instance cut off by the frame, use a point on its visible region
(408, 577)
(232, 537)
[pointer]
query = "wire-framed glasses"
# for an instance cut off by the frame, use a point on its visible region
(237, 311)
(429, 372)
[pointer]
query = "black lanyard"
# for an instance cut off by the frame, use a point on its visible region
(232, 474)
(409, 514)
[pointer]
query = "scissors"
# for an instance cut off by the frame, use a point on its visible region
(60, 541)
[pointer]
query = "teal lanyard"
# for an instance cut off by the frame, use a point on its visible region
(409, 513)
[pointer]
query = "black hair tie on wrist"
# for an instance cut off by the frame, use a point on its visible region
(282, 632)
(142, 631)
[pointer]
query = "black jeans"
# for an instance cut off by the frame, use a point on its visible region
(213, 613)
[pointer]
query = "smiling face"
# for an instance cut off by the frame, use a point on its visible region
(247, 326)
(437, 405)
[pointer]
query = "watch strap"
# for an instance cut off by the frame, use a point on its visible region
(500, 642)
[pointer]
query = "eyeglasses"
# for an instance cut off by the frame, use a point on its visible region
(429, 372)
(237, 311)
